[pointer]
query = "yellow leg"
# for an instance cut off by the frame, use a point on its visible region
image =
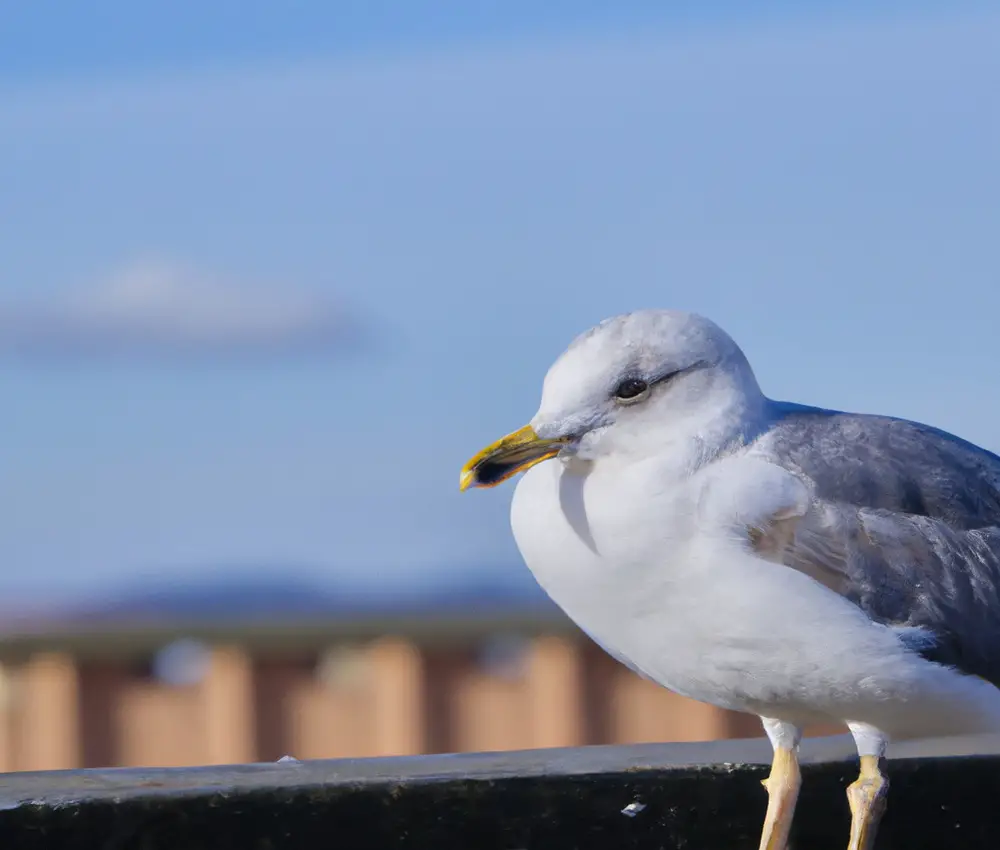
(866, 797)
(782, 793)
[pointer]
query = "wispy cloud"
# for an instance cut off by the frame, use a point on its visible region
(159, 309)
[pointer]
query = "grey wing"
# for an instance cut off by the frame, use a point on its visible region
(906, 524)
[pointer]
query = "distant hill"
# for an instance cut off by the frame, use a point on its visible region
(273, 596)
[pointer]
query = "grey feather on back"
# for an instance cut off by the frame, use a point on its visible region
(906, 526)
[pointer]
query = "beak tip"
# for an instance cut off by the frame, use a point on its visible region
(465, 480)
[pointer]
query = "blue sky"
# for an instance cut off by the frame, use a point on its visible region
(459, 193)
(57, 38)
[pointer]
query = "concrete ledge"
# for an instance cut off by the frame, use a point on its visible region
(685, 795)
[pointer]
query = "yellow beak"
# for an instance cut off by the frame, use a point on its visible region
(506, 457)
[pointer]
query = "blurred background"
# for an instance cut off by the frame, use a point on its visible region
(271, 272)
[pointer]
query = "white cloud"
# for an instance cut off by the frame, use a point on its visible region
(154, 308)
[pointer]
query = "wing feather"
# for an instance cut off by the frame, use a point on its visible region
(905, 523)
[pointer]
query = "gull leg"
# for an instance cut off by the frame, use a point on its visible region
(867, 794)
(782, 785)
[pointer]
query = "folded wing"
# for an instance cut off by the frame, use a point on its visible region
(906, 524)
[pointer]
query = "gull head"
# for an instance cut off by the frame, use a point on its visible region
(630, 385)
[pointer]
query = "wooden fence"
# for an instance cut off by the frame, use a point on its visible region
(100, 697)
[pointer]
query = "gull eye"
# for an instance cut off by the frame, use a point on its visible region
(631, 390)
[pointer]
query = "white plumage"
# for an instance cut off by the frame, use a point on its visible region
(680, 529)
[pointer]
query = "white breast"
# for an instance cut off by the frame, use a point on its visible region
(626, 554)
(621, 569)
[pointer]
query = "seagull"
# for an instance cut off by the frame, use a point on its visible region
(801, 564)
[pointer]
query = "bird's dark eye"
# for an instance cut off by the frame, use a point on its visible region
(631, 389)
